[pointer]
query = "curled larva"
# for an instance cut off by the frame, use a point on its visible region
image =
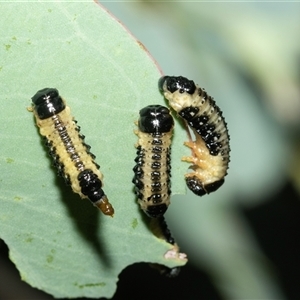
(152, 169)
(210, 150)
(72, 157)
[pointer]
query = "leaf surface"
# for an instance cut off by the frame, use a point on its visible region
(60, 243)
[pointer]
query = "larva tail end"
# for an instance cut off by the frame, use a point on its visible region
(156, 211)
(104, 205)
(195, 185)
(200, 189)
(213, 186)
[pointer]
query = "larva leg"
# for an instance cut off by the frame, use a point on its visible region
(193, 158)
(198, 159)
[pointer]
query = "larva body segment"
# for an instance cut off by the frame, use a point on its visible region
(71, 156)
(210, 150)
(153, 170)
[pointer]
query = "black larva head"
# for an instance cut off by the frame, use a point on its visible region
(155, 118)
(173, 83)
(47, 103)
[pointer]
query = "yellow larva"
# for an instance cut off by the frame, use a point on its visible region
(74, 161)
(152, 170)
(210, 150)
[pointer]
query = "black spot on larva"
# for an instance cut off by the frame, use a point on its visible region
(138, 171)
(89, 182)
(204, 117)
(156, 141)
(155, 165)
(157, 149)
(189, 113)
(156, 187)
(63, 140)
(203, 128)
(139, 185)
(152, 169)
(156, 156)
(155, 175)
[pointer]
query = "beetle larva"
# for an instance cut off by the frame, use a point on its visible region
(72, 157)
(210, 150)
(152, 169)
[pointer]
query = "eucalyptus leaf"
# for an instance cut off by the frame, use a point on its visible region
(60, 243)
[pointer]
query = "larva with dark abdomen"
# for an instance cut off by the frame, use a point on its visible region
(152, 170)
(72, 157)
(210, 150)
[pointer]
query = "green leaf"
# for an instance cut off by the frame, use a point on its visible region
(60, 243)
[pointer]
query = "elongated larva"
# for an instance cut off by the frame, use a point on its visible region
(152, 169)
(72, 157)
(210, 150)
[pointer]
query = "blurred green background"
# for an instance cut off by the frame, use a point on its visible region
(243, 240)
